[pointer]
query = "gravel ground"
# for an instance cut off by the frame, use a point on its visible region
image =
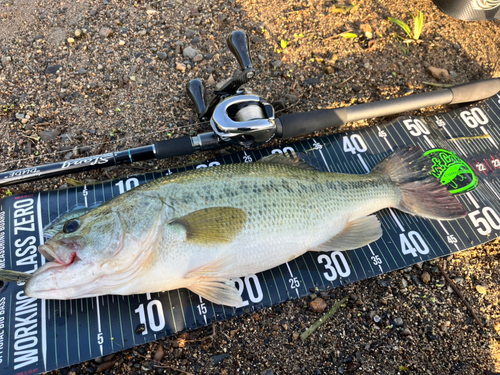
(84, 77)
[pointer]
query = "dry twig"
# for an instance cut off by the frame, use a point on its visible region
(304, 335)
(459, 293)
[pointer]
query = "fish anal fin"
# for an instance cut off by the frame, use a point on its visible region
(356, 234)
(213, 226)
(220, 292)
(207, 282)
(286, 159)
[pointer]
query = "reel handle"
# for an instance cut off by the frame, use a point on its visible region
(238, 44)
(197, 92)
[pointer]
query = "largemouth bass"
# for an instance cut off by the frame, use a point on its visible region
(201, 228)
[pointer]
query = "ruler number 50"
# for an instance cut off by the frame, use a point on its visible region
(416, 127)
(484, 224)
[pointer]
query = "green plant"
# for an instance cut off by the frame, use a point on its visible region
(418, 25)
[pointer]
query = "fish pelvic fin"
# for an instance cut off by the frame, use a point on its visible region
(207, 282)
(356, 234)
(421, 194)
(213, 226)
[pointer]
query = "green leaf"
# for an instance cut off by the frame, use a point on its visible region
(403, 368)
(284, 43)
(349, 35)
(418, 24)
(403, 25)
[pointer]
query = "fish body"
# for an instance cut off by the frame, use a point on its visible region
(201, 228)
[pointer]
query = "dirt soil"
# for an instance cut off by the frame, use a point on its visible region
(85, 77)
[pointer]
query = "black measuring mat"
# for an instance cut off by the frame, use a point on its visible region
(41, 335)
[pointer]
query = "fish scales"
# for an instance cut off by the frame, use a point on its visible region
(199, 229)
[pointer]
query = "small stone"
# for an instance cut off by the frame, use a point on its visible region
(99, 360)
(255, 39)
(71, 40)
(89, 369)
(481, 289)
(458, 280)
(384, 283)
(146, 365)
(425, 277)
(105, 32)
(318, 305)
(404, 283)
(232, 333)
(438, 73)
(19, 116)
(367, 30)
(81, 71)
(405, 332)
(285, 326)
(78, 33)
(140, 328)
(398, 322)
(377, 318)
(121, 42)
(277, 63)
(196, 40)
(198, 58)
(161, 55)
(211, 80)
(415, 279)
(24, 121)
(268, 371)
(313, 296)
(48, 136)
(295, 336)
(181, 67)
(104, 366)
(53, 69)
(311, 81)
(219, 358)
(189, 52)
(160, 353)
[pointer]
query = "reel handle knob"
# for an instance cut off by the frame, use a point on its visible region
(238, 44)
(196, 91)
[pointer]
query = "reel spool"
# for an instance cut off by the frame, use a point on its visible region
(246, 120)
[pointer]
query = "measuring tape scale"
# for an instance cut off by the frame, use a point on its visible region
(62, 333)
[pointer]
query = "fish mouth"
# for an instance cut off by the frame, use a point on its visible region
(49, 253)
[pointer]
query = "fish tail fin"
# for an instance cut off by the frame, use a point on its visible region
(421, 194)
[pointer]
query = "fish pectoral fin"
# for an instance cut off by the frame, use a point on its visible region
(213, 226)
(222, 292)
(356, 234)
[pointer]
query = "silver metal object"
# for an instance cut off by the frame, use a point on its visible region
(244, 119)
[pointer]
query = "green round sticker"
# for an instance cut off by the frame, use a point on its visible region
(452, 171)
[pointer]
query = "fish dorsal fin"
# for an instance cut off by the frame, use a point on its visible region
(288, 160)
(207, 282)
(213, 226)
(356, 234)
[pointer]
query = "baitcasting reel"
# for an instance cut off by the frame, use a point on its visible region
(236, 115)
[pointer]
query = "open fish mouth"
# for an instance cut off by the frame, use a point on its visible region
(48, 252)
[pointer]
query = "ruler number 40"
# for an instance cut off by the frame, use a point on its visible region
(413, 244)
(354, 143)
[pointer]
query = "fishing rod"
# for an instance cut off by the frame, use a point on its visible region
(241, 118)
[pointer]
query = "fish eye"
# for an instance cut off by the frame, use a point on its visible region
(71, 226)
